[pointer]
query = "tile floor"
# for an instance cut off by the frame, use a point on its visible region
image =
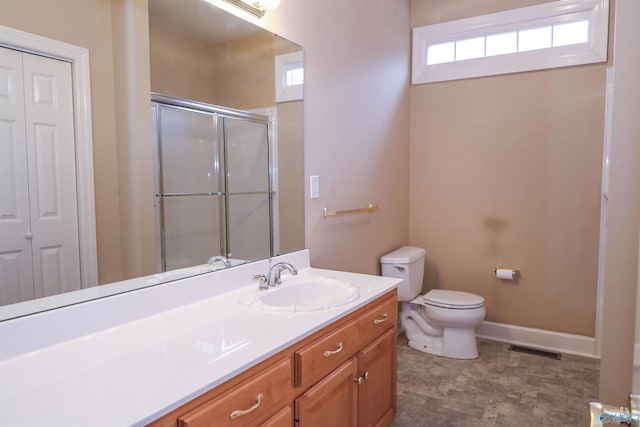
(500, 388)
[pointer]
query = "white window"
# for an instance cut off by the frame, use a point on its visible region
(556, 34)
(289, 76)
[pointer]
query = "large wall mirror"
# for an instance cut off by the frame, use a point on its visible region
(226, 111)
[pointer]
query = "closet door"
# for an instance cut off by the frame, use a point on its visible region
(38, 208)
(52, 175)
(16, 276)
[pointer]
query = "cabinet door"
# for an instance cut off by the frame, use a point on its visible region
(377, 391)
(331, 402)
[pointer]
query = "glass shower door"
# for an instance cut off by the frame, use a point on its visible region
(190, 190)
(248, 189)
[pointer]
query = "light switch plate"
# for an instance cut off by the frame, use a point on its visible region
(314, 187)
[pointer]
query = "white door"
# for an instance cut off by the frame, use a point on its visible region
(15, 250)
(39, 251)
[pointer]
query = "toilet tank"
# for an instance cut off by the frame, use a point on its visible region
(406, 263)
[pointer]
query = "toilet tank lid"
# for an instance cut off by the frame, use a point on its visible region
(403, 255)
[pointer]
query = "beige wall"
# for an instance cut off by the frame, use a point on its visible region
(291, 175)
(87, 24)
(246, 72)
(356, 124)
(238, 74)
(506, 171)
(181, 67)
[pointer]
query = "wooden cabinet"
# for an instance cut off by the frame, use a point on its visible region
(342, 375)
(323, 355)
(361, 392)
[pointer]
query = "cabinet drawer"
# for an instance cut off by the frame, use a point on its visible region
(377, 320)
(247, 404)
(284, 418)
(327, 353)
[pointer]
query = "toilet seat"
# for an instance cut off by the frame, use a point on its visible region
(453, 300)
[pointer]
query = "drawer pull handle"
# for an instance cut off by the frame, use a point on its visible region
(383, 319)
(240, 412)
(332, 352)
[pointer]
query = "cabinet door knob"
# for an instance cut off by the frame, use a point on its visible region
(380, 320)
(332, 352)
(359, 380)
(28, 235)
(240, 412)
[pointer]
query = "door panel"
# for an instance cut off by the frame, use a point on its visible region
(377, 393)
(247, 155)
(247, 182)
(189, 182)
(249, 235)
(191, 230)
(14, 286)
(188, 152)
(52, 180)
(51, 273)
(47, 189)
(331, 402)
(16, 276)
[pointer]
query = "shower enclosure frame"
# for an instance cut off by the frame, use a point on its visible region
(219, 115)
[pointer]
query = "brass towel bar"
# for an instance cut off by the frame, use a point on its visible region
(370, 208)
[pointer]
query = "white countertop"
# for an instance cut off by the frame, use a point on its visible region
(134, 372)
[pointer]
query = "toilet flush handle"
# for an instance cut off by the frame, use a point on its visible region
(399, 268)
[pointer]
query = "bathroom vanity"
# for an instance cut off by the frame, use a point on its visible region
(343, 374)
(197, 351)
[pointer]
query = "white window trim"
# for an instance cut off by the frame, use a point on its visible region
(594, 51)
(285, 63)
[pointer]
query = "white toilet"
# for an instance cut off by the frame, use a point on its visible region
(440, 322)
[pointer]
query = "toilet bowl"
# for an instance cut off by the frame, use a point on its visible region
(440, 322)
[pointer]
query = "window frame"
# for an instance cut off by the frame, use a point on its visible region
(283, 64)
(553, 13)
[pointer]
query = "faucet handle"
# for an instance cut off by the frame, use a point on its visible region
(264, 282)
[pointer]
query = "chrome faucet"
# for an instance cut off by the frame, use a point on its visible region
(273, 277)
(220, 258)
(277, 269)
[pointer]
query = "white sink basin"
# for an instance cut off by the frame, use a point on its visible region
(304, 294)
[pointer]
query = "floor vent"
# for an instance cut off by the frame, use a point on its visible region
(535, 352)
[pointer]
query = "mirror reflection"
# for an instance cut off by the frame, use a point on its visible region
(226, 112)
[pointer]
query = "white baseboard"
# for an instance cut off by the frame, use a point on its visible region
(538, 338)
